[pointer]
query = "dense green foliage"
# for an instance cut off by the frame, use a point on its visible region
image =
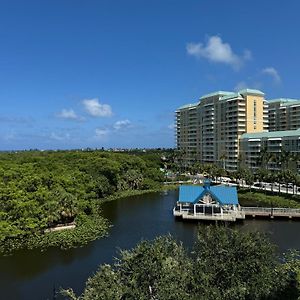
(259, 198)
(39, 190)
(224, 264)
(87, 231)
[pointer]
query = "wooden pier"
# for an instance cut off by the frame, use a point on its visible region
(271, 212)
(241, 214)
(220, 203)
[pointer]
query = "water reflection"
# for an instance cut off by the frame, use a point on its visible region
(28, 264)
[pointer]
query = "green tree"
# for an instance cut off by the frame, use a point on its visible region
(39, 190)
(235, 265)
(249, 177)
(152, 270)
(224, 264)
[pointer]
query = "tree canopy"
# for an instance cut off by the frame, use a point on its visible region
(224, 264)
(39, 190)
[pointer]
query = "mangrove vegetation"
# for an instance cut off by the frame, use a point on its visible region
(43, 190)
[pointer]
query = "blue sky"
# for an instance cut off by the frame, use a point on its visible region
(111, 73)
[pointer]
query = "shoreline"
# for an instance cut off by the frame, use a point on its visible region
(129, 193)
(96, 226)
(87, 229)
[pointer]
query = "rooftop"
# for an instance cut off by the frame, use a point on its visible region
(225, 95)
(285, 101)
(271, 134)
(189, 105)
(222, 194)
(217, 93)
(251, 92)
(233, 95)
(282, 100)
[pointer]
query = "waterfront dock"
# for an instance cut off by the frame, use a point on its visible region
(189, 214)
(240, 214)
(271, 212)
(220, 203)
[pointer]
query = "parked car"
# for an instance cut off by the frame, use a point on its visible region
(289, 185)
(225, 179)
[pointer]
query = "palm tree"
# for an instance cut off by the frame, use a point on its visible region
(249, 178)
(179, 156)
(297, 179)
(134, 179)
(217, 172)
(270, 158)
(284, 158)
(263, 156)
(293, 181)
(261, 175)
(239, 175)
(193, 156)
(279, 180)
(292, 161)
(288, 177)
(197, 167)
(271, 179)
(223, 158)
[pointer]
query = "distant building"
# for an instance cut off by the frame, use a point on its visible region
(284, 114)
(209, 130)
(274, 149)
(230, 129)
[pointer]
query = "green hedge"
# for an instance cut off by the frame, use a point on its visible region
(261, 199)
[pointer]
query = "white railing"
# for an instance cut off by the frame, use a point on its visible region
(274, 211)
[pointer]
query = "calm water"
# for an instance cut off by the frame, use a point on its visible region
(34, 274)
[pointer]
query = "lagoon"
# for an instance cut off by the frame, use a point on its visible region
(32, 274)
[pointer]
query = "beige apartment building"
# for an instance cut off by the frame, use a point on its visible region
(272, 150)
(280, 147)
(209, 130)
(284, 114)
(229, 128)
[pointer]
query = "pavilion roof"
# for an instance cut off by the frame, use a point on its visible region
(223, 194)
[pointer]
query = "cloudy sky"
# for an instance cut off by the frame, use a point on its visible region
(111, 73)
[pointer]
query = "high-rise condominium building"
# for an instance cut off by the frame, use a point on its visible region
(280, 147)
(272, 150)
(284, 114)
(209, 130)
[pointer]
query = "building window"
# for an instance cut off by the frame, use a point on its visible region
(254, 114)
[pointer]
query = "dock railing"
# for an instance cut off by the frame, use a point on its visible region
(271, 211)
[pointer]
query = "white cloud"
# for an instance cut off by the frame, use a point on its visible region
(10, 136)
(16, 120)
(217, 51)
(247, 54)
(171, 126)
(57, 137)
(246, 85)
(273, 73)
(122, 124)
(96, 109)
(240, 86)
(101, 133)
(69, 114)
